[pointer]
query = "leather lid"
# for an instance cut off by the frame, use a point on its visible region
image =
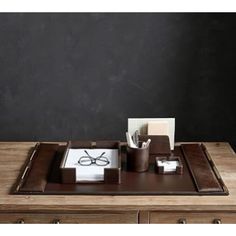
(160, 144)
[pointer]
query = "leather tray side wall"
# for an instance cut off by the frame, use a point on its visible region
(203, 175)
(36, 172)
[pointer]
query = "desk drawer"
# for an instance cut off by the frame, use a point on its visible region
(67, 218)
(192, 218)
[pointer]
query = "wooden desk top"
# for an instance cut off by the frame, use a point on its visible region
(14, 154)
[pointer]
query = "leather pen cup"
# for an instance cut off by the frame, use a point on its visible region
(138, 158)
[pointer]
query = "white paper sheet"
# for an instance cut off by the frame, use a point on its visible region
(92, 172)
(168, 165)
(141, 124)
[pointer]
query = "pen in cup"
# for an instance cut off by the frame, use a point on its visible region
(133, 141)
(130, 141)
(146, 144)
(136, 138)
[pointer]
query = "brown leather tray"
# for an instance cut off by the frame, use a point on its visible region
(41, 175)
(111, 175)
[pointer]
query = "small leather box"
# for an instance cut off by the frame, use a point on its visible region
(160, 144)
(160, 169)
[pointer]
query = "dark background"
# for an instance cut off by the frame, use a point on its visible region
(80, 76)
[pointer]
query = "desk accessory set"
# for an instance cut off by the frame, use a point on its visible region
(145, 165)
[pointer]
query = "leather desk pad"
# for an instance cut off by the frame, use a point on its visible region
(199, 176)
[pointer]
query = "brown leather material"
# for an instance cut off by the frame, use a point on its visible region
(204, 177)
(93, 144)
(112, 175)
(132, 183)
(80, 144)
(107, 144)
(68, 175)
(137, 159)
(160, 144)
(38, 171)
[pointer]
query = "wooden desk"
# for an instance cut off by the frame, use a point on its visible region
(115, 209)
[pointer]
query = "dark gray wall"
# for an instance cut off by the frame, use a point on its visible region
(80, 76)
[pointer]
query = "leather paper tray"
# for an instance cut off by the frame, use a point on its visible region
(41, 175)
(111, 175)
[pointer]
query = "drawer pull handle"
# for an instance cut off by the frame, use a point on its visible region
(217, 221)
(20, 221)
(57, 221)
(182, 221)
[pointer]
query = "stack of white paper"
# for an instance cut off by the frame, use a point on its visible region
(92, 172)
(168, 165)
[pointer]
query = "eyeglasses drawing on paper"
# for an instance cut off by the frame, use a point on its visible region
(89, 160)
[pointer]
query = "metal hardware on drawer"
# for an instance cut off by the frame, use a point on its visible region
(56, 221)
(20, 221)
(217, 221)
(182, 221)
